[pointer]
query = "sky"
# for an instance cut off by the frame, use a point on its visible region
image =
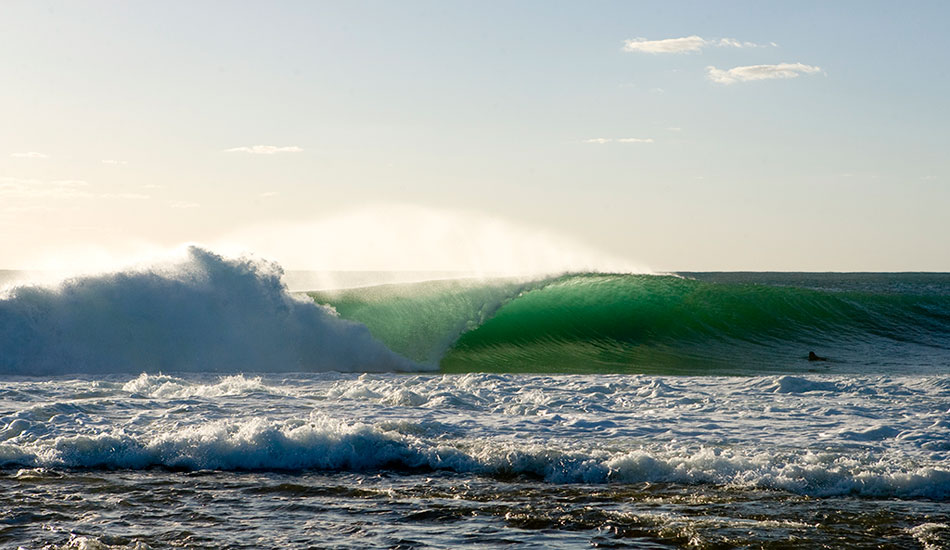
(795, 136)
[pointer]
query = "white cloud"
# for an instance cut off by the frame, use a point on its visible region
(18, 188)
(30, 155)
(669, 45)
(265, 149)
(686, 44)
(598, 140)
(759, 72)
(114, 162)
(184, 204)
(267, 194)
(675, 129)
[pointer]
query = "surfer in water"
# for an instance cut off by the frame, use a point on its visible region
(812, 356)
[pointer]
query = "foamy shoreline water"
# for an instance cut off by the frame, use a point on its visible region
(810, 435)
(631, 450)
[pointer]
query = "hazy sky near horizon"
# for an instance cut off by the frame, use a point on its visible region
(676, 135)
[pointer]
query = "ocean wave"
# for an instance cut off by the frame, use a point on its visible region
(323, 443)
(211, 314)
(204, 314)
(598, 322)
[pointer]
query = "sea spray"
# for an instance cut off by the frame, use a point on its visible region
(204, 314)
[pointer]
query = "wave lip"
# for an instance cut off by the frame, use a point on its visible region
(205, 314)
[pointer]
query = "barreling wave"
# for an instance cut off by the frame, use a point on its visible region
(651, 324)
(203, 314)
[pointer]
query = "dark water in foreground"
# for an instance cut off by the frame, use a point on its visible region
(400, 510)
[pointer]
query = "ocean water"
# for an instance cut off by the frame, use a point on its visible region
(200, 404)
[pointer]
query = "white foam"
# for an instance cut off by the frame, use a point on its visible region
(872, 437)
(80, 542)
(797, 384)
(319, 443)
(168, 387)
(325, 443)
(203, 314)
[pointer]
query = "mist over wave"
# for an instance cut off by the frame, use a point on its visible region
(403, 237)
(205, 313)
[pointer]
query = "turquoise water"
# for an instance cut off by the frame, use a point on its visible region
(685, 324)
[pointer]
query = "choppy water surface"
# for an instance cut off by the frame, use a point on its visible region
(437, 461)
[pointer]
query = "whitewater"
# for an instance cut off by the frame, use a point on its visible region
(199, 403)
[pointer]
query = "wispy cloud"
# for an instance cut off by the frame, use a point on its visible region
(125, 196)
(114, 162)
(32, 189)
(733, 43)
(265, 149)
(30, 155)
(19, 188)
(686, 44)
(601, 141)
(759, 72)
(183, 204)
(268, 194)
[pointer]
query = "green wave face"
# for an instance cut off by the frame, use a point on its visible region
(652, 324)
(421, 321)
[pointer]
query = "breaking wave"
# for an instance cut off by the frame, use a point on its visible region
(321, 443)
(212, 314)
(203, 314)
